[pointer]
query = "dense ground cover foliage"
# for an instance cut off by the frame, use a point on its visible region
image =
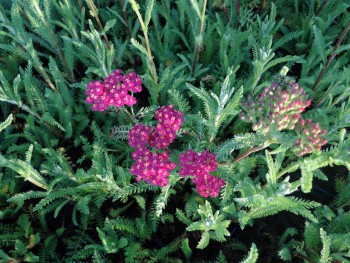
(174, 131)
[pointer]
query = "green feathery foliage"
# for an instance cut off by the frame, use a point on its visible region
(67, 191)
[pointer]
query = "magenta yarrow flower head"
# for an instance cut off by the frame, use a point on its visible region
(277, 108)
(199, 166)
(150, 165)
(138, 136)
(311, 137)
(169, 122)
(113, 91)
(170, 117)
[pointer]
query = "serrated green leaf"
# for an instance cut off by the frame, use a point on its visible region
(186, 249)
(149, 12)
(252, 257)
(20, 247)
(306, 178)
(136, 44)
(195, 6)
(203, 243)
(109, 25)
(6, 123)
(196, 226)
(326, 249)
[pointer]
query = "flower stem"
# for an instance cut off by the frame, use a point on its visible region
(225, 11)
(249, 152)
(144, 30)
(331, 56)
(321, 7)
(27, 109)
(125, 18)
(199, 42)
(238, 8)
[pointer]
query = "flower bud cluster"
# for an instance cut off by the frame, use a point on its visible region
(154, 167)
(113, 91)
(277, 108)
(311, 137)
(199, 165)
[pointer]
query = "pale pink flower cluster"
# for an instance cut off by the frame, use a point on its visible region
(311, 137)
(113, 91)
(277, 108)
(154, 167)
(199, 165)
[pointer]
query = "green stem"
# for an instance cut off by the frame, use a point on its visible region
(326, 94)
(198, 44)
(321, 7)
(27, 109)
(288, 169)
(131, 115)
(148, 46)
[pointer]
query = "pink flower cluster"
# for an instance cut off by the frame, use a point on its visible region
(113, 91)
(169, 122)
(154, 167)
(199, 166)
(277, 108)
(311, 137)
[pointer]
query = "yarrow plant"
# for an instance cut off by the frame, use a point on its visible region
(154, 167)
(127, 164)
(199, 166)
(113, 91)
(277, 108)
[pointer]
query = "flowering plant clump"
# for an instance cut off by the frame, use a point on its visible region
(113, 91)
(199, 165)
(277, 108)
(311, 137)
(165, 155)
(153, 167)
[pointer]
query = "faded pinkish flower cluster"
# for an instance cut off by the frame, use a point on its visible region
(113, 91)
(311, 137)
(154, 167)
(199, 165)
(277, 108)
